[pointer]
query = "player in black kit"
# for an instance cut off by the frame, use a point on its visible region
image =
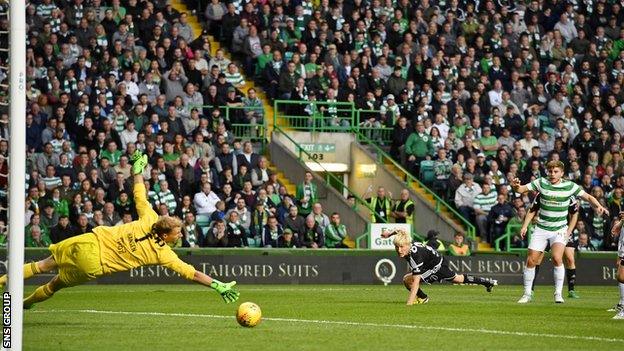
(427, 266)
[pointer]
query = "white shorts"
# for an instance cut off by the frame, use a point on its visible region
(541, 238)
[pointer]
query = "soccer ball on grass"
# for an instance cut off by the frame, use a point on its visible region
(248, 314)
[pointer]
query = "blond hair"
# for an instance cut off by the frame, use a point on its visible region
(401, 238)
(165, 225)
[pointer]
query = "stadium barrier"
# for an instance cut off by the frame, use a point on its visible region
(336, 266)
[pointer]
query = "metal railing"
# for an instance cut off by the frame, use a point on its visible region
(510, 231)
(376, 135)
(330, 178)
(323, 116)
(384, 158)
(256, 133)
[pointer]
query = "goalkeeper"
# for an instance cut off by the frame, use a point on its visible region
(116, 249)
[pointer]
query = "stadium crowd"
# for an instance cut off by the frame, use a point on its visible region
(478, 92)
(105, 78)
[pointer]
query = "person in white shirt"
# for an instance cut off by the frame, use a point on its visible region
(131, 87)
(465, 196)
(496, 94)
(206, 201)
(128, 135)
(528, 142)
(442, 125)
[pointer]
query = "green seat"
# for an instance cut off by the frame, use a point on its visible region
(426, 174)
(202, 221)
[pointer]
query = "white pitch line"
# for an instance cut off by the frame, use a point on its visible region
(104, 291)
(346, 323)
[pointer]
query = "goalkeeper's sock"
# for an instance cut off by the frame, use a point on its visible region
(537, 268)
(559, 273)
(621, 286)
(571, 275)
(421, 294)
(42, 293)
(30, 269)
(471, 279)
(529, 276)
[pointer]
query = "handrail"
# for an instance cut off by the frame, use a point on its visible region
(262, 127)
(328, 174)
(509, 232)
(350, 105)
(439, 202)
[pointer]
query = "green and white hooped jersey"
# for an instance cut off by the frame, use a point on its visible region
(554, 202)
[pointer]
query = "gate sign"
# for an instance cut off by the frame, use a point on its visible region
(376, 229)
(321, 152)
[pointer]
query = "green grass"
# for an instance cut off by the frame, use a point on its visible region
(363, 318)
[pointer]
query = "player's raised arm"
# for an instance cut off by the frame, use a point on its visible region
(617, 226)
(517, 186)
(594, 202)
(143, 207)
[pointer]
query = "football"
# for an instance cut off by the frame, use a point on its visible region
(248, 314)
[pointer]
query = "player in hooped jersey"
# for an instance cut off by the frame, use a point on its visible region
(427, 266)
(552, 223)
(618, 229)
(568, 253)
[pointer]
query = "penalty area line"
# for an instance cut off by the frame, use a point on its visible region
(345, 323)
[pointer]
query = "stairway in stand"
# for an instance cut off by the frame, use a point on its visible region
(214, 46)
(482, 246)
(268, 107)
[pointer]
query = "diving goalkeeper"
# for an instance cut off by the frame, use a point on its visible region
(116, 249)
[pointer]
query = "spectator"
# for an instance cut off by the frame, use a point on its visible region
(260, 175)
(465, 196)
(336, 233)
(294, 222)
(206, 200)
(433, 241)
(191, 231)
(458, 247)
(403, 210)
(483, 203)
(499, 216)
(418, 147)
(319, 217)
(36, 238)
(216, 236)
(312, 236)
(380, 204)
(236, 233)
(583, 243)
(271, 232)
(287, 240)
(306, 195)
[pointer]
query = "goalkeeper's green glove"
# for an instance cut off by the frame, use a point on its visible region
(140, 162)
(225, 290)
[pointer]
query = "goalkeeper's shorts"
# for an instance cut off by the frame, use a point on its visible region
(78, 259)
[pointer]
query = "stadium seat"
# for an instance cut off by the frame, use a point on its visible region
(426, 172)
(202, 221)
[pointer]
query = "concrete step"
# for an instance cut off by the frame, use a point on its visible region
(216, 45)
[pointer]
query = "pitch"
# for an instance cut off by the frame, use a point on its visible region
(321, 317)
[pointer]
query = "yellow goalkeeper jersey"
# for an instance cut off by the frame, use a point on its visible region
(133, 245)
